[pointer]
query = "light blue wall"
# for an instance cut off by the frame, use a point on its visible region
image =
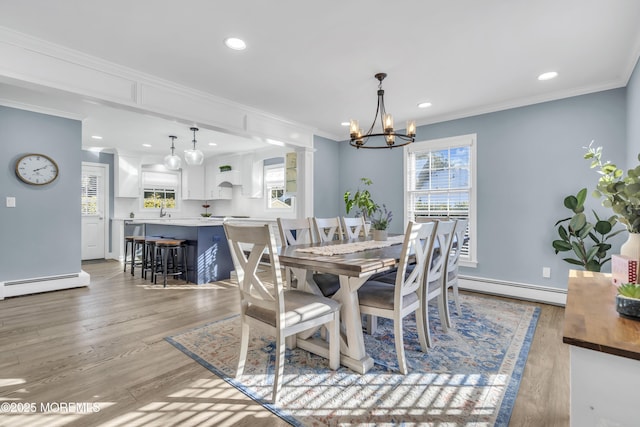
(633, 117)
(326, 177)
(529, 159)
(41, 235)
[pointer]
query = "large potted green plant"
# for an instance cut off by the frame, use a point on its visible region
(587, 240)
(361, 199)
(620, 193)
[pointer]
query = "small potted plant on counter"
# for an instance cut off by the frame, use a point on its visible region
(206, 207)
(628, 301)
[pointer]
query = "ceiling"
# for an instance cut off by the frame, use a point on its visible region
(313, 62)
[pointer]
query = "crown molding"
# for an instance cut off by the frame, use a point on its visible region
(522, 102)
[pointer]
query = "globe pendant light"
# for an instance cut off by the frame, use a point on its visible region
(172, 161)
(194, 157)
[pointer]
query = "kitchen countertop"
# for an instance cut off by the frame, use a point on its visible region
(196, 222)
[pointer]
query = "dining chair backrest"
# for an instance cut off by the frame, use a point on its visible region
(419, 238)
(455, 246)
(256, 241)
(441, 246)
(327, 229)
(353, 227)
(295, 231)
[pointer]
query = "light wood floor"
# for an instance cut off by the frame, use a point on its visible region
(105, 344)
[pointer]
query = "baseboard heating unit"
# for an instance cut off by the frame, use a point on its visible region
(515, 290)
(13, 288)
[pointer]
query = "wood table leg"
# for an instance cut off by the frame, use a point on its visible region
(352, 352)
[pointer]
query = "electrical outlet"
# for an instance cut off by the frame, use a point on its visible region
(546, 272)
(11, 202)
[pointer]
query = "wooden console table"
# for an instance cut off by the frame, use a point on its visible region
(605, 354)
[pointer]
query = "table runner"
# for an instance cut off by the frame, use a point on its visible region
(351, 247)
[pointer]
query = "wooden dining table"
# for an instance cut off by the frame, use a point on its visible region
(353, 270)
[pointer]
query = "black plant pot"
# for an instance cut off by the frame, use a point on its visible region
(628, 307)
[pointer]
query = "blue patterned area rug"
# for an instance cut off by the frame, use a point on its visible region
(469, 378)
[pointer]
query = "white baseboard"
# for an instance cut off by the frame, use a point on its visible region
(13, 288)
(522, 291)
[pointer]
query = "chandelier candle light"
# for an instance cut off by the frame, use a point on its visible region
(360, 140)
(194, 157)
(172, 161)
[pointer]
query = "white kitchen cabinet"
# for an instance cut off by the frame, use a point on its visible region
(193, 183)
(232, 177)
(253, 176)
(224, 191)
(127, 176)
(213, 188)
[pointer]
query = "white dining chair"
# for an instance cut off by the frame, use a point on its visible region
(294, 231)
(396, 301)
(300, 231)
(327, 229)
(353, 228)
(451, 270)
(433, 277)
(266, 305)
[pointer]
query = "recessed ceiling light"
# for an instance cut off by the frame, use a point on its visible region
(424, 105)
(235, 43)
(344, 124)
(548, 76)
(213, 144)
(96, 137)
(147, 145)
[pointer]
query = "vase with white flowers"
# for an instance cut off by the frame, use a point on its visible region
(620, 193)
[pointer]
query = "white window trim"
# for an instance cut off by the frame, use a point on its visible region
(469, 140)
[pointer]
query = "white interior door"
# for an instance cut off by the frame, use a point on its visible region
(93, 212)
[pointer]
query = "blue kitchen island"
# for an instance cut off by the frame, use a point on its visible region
(208, 255)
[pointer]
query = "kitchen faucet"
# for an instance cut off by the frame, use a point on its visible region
(162, 212)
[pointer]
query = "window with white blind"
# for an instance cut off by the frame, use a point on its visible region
(274, 185)
(90, 194)
(160, 189)
(440, 182)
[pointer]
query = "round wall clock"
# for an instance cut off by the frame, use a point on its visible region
(36, 169)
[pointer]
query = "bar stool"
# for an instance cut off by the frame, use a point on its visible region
(150, 258)
(138, 245)
(128, 243)
(168, 249)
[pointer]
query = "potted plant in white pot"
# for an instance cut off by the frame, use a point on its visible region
(380, 222)
(620, 193)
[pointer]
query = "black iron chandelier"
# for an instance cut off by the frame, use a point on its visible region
(390, 137)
